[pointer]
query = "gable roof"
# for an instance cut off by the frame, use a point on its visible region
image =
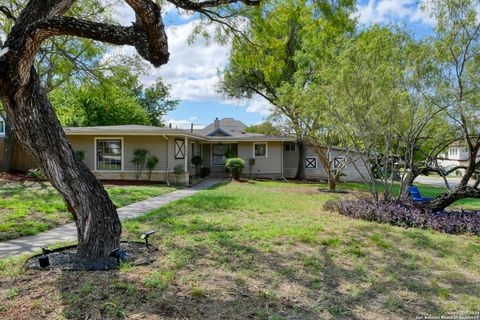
(229, 127)
(219, 132)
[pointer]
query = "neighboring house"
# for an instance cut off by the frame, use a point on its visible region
(108, 151)
(457, 154)
(2, 127)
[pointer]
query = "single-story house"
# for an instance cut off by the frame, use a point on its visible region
(108, 151)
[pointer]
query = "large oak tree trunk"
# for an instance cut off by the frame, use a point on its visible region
(301, 160)
(37, 126)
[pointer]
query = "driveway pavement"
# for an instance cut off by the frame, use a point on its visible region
(438, 181)
(68, 232)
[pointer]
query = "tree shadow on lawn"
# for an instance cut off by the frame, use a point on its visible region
(231, 279)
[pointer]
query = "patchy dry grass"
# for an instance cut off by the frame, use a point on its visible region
(248, 251)
(28, 208)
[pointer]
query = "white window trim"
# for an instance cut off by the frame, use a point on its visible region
(95, 159)
(266, 150)
(316, 163)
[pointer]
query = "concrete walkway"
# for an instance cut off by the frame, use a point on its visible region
(68, 232)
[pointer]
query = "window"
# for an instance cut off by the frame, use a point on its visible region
(2, 127)
(311, 163)
(221, 151)
(109, 154)
(179, 149)
(337, 162)
(290, 147)
(260, 150)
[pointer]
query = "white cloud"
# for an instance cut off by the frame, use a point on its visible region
(261, 106)
(376, 11)
(192, 71)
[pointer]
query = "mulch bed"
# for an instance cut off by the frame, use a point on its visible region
(65, 258)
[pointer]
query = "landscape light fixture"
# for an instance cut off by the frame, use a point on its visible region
(146, 235)
(116, 254)
(43, 260)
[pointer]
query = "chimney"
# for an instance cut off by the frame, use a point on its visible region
(216, 124)
(170, 125)
(191, 127)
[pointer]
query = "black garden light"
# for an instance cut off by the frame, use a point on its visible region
(43, 260)
(116, 254)
(146, 235)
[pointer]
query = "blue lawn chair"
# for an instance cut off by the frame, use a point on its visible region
(416, 196)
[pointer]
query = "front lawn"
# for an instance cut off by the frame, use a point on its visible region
(261, 250)
(28, 208)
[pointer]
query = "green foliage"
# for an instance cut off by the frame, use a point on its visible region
(235, 166)
(152, 162)
(197, 160)
(277, 63)
(266, 127)
(80, 155)
(116, 99)
(139, 159)
(36, 174)
(229, 153)
(156, 101)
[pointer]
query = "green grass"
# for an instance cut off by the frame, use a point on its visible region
(28, 208)
(262, 250)
(427, 191)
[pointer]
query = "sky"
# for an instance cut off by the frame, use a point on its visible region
(193, 69)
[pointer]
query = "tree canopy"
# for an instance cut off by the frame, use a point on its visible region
(117, 99)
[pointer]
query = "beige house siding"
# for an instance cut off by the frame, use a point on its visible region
(85, 144)
(156, 145)
(272, 164)
(270, 167)
(351, 173)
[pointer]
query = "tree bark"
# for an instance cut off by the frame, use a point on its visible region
(446, 199)
(301, 160)
(8, 147)
(37, 126)
(332, 183)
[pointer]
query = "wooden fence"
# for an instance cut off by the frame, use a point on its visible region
(21, 160)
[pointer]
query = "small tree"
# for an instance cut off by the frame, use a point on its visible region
(80, 155)
(178, 170)
(152, 162)
(139, 159)
(197, 162)
(235, 166)
(251, 164)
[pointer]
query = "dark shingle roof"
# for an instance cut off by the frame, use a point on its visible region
(231, 126)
